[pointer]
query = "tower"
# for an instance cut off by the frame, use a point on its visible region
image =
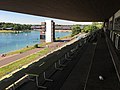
(50, 31)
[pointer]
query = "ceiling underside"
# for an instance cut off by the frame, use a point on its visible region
(75, 10)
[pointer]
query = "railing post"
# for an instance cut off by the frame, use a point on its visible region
(57, 68)
(37, 83)
(61, 64)
(67, 57)
(44, 75)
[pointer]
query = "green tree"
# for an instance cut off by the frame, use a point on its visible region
(75, 30)
(5, 26)
(15, 26)
(92, 27)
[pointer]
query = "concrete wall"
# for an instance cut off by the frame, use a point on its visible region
(114, 21)
(117, 21)
(110, 19)
(114, 27)
(117, 14)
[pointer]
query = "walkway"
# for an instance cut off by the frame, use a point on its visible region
(77, 77)
(101, 64)
(14, 58)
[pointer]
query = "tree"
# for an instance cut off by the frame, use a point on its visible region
(92, 27)
(75, 30)
(15, 26)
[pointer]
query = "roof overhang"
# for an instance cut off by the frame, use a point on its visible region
(75, 10)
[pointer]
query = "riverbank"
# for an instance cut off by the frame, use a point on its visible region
(23, 50)
(30, 58)
(27, 48)
(14, 41)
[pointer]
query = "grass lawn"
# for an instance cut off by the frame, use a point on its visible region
(21, 50)
(26, 49)
(69, 36)
(21, 62)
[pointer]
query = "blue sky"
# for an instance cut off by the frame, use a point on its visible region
(6, 16)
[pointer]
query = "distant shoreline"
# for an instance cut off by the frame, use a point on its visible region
(63, 30)
(6, 31)
(10, 31)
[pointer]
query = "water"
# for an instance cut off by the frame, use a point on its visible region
(62, 34)
(11, 41)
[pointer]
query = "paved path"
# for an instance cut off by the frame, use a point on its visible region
(102, 66)
(8, 60)
(77, 78)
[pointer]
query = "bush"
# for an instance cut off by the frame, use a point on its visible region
(75, 30)
(36, 46)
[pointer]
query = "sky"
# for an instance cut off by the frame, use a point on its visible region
(13, 17)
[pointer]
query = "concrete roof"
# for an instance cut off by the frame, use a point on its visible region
(76, 10)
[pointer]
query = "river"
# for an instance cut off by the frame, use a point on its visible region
(11, 41)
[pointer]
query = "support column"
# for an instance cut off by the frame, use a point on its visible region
(42, 32)
(50, 31)
(113, 22)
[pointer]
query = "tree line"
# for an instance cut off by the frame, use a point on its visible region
(76, 29)
(13, 26)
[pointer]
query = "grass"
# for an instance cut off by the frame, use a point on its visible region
(21, 62)
(44, 44)
(26, 49)
(63, 37)
(21, 50)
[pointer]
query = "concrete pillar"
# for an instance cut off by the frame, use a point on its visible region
(105, 25)
(42, 31)
(50, 31)
(113, 22)
(117, 21)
